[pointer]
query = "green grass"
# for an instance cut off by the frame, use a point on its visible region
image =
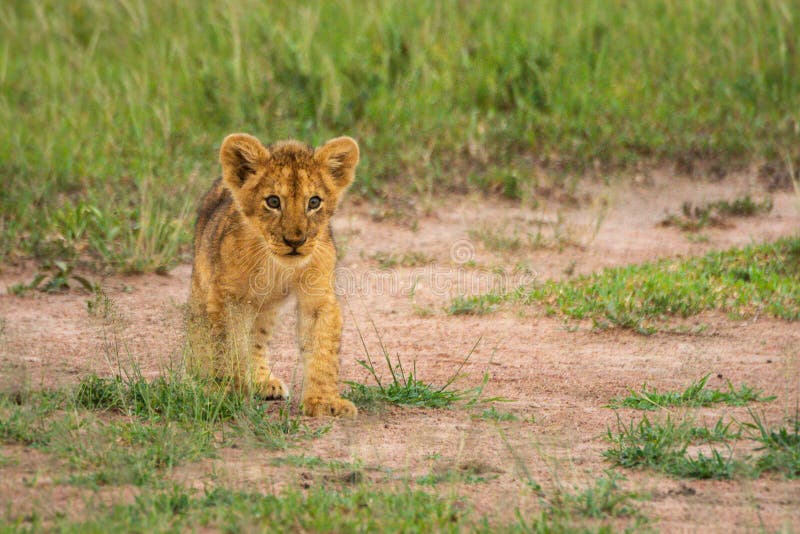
(388, 260)
(780, 447)
(493, 414)
(138, 453)
(131, 430)
(404, 386)
(327, 508)
(302, 460)
(591, 509)
(664, 446)
(694, 218)
(107, 148)
(497, 240)
(453, 476)
(192, 401)
(695, 395)
(603, 499)
(472, 305)
(471, 472)
(100, 450)
(320, 510)
(757, 279)
(164, 398)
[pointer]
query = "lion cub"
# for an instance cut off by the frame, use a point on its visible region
(263, 233)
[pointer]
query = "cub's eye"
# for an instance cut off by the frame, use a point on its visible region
(273, 202)
(314, 202)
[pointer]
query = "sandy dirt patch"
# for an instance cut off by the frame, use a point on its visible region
(557, 380)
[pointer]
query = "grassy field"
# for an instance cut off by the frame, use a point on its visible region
(127, 431)
(113, 111)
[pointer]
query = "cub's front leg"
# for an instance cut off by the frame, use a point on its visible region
(266, 384)
(319, 329)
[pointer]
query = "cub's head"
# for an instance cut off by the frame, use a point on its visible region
(287, 191)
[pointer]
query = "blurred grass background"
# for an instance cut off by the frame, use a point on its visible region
(113, 111)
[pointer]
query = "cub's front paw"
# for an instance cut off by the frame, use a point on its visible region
(272, 388)
(334, 407)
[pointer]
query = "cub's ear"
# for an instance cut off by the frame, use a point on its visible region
(340, 157)
(240, 156)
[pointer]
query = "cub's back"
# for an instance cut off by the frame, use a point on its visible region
(216, 215)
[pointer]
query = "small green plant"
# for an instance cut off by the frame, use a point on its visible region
(780, 447)
(600, 504)
(663, 446)
(474, 305)
(387, 260)
(302, 460)
(604, 499)
(57, 278)
(472, 472)
(695, 218)
(72, 222)
(493, 414)
(496, 240)
(100, 305)
(694, 395)
(405, 388)
(508, 182)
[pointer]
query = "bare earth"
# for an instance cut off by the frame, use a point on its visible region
(558, 379)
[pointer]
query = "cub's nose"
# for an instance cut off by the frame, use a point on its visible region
(294, 243)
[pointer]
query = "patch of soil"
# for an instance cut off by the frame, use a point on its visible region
(558, 381)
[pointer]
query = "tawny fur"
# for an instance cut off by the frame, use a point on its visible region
(243, 263)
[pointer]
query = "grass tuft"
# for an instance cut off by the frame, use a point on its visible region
(664, 446)
(171, 399)
(470, 305)
(388, 260)
(780, 447)
(493, 414)
(465, 473)
(694, 218)
(695, 395)
(405, 388)
(604, 499)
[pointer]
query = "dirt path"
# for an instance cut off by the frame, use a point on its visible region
(558, 380)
